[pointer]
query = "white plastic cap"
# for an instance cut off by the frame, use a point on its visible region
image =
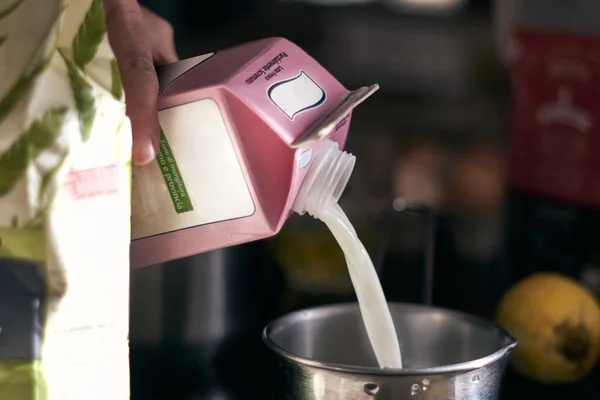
(325, 180)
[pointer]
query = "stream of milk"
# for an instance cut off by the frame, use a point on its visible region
(371, 300)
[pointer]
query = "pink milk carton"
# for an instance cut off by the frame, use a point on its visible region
(249, 135)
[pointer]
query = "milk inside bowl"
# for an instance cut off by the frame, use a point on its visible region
(250, 135)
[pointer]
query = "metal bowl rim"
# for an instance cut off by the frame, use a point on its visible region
(510, 344)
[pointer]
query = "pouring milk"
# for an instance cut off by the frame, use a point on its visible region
(371, 300)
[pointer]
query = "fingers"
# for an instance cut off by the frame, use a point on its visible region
(129, 40)
(161, 37)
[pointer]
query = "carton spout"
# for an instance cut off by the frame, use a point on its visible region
(325, 181)
(327, 123)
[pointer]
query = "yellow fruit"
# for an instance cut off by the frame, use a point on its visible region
(557, 324)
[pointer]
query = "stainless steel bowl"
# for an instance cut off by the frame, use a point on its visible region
(323, 353)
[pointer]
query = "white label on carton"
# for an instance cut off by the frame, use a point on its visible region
(296, 95)
(196, 179)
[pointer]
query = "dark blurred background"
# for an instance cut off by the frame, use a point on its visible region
(429, 194)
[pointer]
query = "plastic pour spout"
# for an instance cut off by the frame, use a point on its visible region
(325, 180)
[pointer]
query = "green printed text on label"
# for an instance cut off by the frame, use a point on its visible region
(173, 179)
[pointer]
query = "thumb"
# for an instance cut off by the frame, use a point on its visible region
(128, 38)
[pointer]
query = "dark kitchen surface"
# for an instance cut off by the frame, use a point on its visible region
(442, 104)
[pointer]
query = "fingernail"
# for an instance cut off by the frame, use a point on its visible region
(144, 155)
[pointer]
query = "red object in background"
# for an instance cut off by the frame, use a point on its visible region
(555, 135)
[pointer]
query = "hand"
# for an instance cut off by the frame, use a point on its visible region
(140, 39)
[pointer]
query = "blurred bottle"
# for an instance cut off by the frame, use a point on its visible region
(427, 7)
(552, 48)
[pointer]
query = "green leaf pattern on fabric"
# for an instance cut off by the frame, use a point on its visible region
(38, 147)
(28, 241)
(44, 198)
(83, 93)
(20, 87)
(24, 243)
(50, 175)
(42, 133)
(117, 87)
(90, 35)
(18, 90)
(5, 13)
(22, 380)
(40, 136)
(10, 9)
